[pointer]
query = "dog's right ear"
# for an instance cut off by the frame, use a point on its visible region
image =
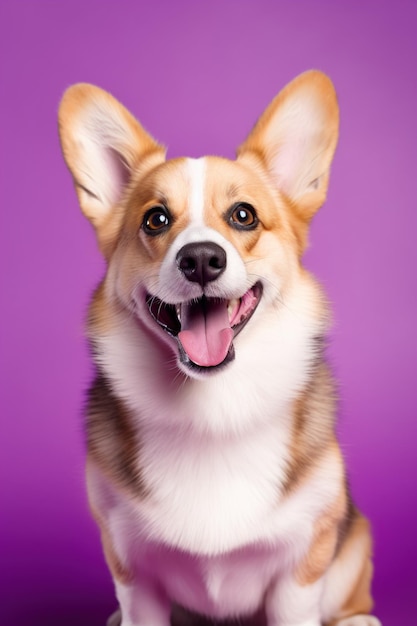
(103, 144)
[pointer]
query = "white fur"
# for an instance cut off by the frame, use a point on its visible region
(172, 285)
(196, 171)
(213, 455)
(341, 576)
(259, 385)
(290, 604)
(211, 553)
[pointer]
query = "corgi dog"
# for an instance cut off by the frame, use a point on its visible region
(213, 469)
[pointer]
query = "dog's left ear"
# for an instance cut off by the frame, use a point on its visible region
(295, 139)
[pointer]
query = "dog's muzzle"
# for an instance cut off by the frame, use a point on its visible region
(204, 327)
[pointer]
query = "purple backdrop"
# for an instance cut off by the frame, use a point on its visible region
(197, 74)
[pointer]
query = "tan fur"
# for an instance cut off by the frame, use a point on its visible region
(313, 433)
(231, 182)
(358, 598)
(98, 316)
(324, 543)
(167, 185)
(111, 439)
(119, 571)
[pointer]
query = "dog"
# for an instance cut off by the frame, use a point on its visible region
(213, 469)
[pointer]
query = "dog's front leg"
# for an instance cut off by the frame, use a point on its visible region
(142, 600)
(141, 597)
(141, 603)
(288, 603)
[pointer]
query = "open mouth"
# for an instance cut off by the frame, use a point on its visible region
(205, 328)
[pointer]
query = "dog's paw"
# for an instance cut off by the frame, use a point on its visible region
(359, 620)
(115, 619)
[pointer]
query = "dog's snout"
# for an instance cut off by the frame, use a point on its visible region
(201, 262)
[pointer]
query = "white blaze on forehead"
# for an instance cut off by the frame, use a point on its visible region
(196, 174)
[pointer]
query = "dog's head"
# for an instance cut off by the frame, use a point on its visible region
(199, 249)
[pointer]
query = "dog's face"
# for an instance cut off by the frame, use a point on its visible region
(199, 249)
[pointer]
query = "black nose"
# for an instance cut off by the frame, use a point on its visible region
(201, 262)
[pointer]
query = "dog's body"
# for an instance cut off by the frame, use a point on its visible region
(213, 468)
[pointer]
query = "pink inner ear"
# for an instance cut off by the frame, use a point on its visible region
(118, 173)
(286, 164)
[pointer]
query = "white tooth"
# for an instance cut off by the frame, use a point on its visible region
(178, 310)
(231, 306)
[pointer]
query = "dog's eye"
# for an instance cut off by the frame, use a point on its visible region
(243, 216)
(156, 220)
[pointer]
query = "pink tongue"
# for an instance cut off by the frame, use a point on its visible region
(206, 334)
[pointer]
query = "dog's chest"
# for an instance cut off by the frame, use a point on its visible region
(213, 527)
(207, 496)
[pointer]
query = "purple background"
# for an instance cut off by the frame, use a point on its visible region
(197, 74)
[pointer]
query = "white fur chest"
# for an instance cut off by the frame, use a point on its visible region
(208, 495)
(215, 535)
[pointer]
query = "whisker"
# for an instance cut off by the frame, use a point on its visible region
(161, 304)
(278, 293)
(255, 260)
